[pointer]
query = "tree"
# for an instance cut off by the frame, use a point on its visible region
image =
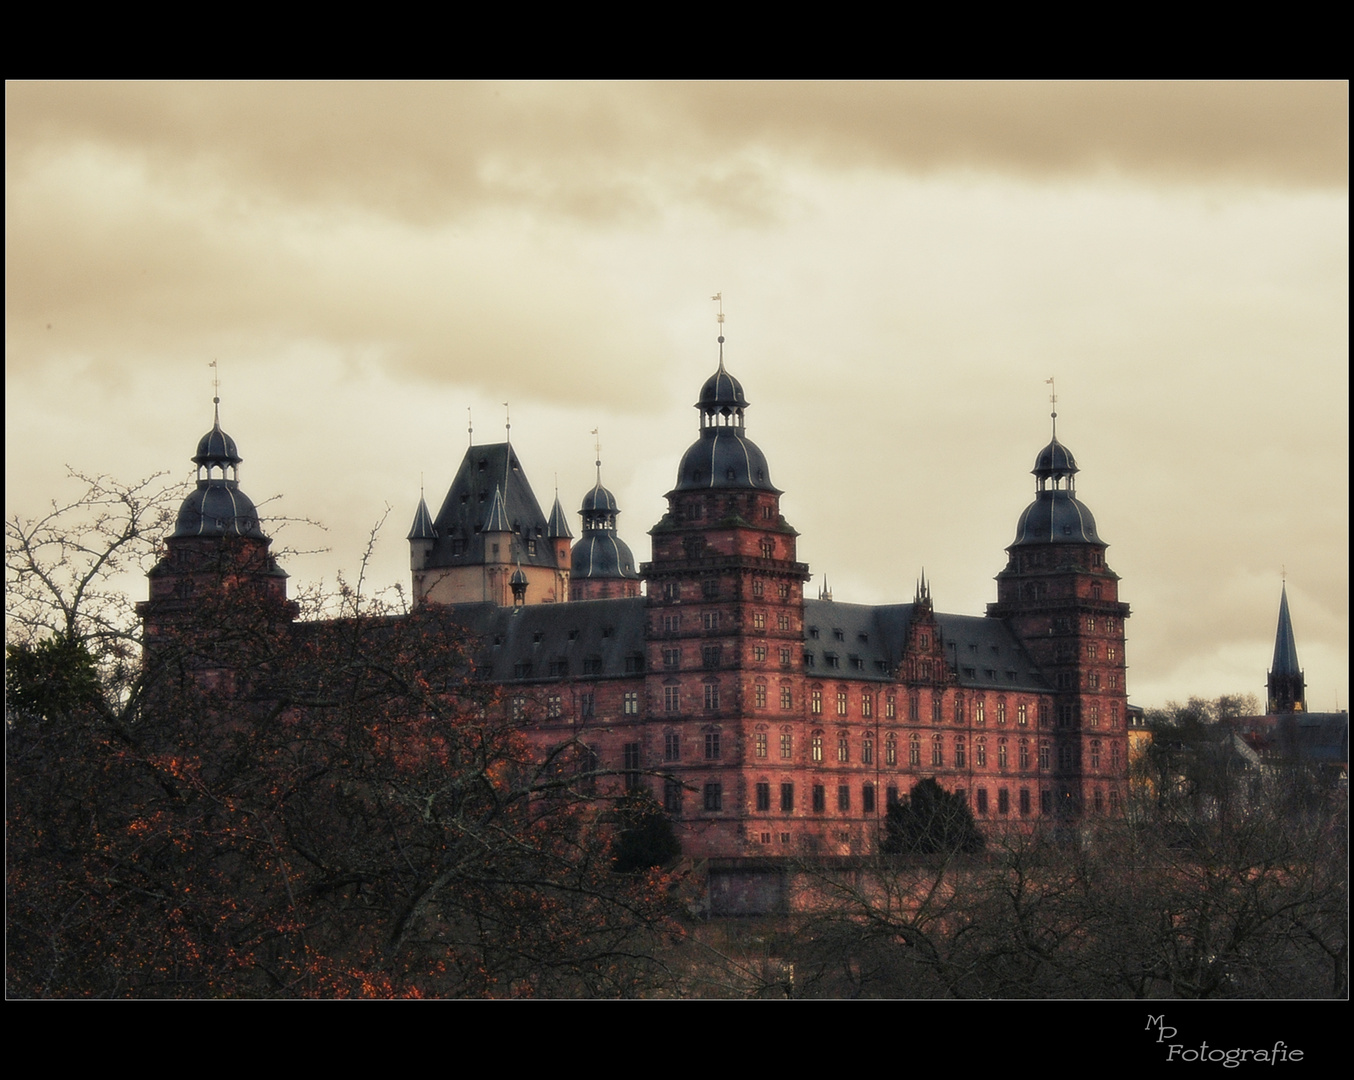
(645, 837)
(255, 808)
(930, 821)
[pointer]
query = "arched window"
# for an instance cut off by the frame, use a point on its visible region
(937, 752)
(914, 750)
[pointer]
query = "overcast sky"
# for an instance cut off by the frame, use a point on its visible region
(902, 266)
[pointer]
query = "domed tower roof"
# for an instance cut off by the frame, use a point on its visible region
(723, 456)
(1056, 516)
(217, 507)
(600, 552)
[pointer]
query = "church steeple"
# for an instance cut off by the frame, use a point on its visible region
(1286, 685)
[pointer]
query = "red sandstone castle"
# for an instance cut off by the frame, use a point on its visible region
(766, 723)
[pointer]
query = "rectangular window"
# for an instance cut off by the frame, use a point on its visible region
(786, 745)
(710, 587)
(867, 798)
(866, 704)
(816, 746)
(714, 797)
(786, 698)
(1043, 714)
(841, 702)
(891, 795)
(937, 753)
(672, 747)
(1065, 716)
(672, 699)
(1003, 801)
(1095, 755)
(630, 752)
(816, 701)
(760, 744)
(710, 655)
(979, 712)
(783, 591)
(1024, 754)
(787, 798)
(711, 745)
(913, 707)
(759, 695)
(672, 658)
(711, 697)
(867, 751)
(759, 620)
(672, 623)
(758, 587)
(1022, 715)
(1043, 755)
(914, 752)
(890, 750)
(1024, 802)
(843, 798)
(960, 758)
(937, 710)
(710, 620)
(1109, 652)
(631, 703)
(1046, 802)
(554, 707)
(763, 797)
(1114, 681)
(519, 708)
(819, 799)
(980, 797)
(782, 622)
(1001, 712)
(586, 703)
(759, 653)
(672, 796)
(784, 654)
(843, 748)
(890, 708)
(1093, 680)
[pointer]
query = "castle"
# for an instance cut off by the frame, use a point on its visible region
(766, 723)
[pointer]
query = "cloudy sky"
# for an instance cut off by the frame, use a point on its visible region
(902, 266)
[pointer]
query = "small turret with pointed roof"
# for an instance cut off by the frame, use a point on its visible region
(1287, 688)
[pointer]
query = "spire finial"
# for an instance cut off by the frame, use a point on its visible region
(507, 421)
(719, 299)
(469, 426)
(216, 394)
(597, 446)
(1053, 400)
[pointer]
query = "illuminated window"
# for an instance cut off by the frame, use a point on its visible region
(980, 752)
(759, 696)
(890, 708)
(1022, 715)
(816, 701)
(1001, 754)
(787, 700)
(759, 653)
(914, 750)
(866, 704)
(1001, 711)
(979, 715)
(867, 751)
(890, 749)
(631, 703)
(841, 702)
(816, 746)
(554, 707)
(760, 744)
(759, 620)
(782, 622)
(843, 748)
(786, 745)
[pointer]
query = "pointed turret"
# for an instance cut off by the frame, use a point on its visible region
(422, 536)
(1287, 689)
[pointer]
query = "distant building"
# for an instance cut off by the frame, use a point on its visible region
(765, 722)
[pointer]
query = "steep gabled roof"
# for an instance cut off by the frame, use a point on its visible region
(461, 521)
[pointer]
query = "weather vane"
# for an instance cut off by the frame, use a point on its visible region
(597, 446)
(507, 421)
(216, 392)
(1053, 400)
(719, 299)
(469, 426)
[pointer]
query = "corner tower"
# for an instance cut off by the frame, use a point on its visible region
(1059, 596)
(1287, 687)
(601, 565)
(726, 623)
(216, 566)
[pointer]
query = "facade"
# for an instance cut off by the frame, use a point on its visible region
(765, 722)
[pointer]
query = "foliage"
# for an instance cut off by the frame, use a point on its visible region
(930, 821)
(645, 837)
(333, 809)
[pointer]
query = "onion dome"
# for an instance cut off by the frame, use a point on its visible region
(600, 552)
(1055, 462)
(1056, 516)
(217, 507)
(723, 456)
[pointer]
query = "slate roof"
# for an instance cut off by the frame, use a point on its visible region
(867, 643)
(1285, 647)
(461, 521)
